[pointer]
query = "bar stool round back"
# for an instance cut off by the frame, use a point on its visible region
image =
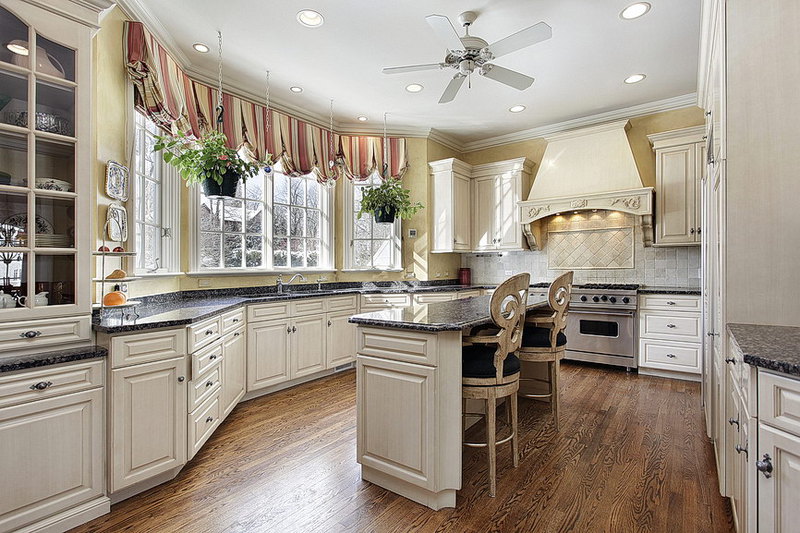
(491, 369)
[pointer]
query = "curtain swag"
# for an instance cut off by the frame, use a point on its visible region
(176, 103)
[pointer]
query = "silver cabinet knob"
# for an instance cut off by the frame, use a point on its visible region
(671, 326)
(691, 231)
(235, 320)
(209, 332)
(671, 355)
(42, 385)
(670, 303)
(289, 329)
(294, 329)
(330, 323)
(212, 356)
(181, 379)
(209, 419)
(30, 334)
(712, 334)
(765, 466)
(209, 383)
(236, 334)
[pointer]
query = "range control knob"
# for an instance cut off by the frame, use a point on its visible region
(583, 298)
(613, 299)
(604, 298)
(626, 300)
(595, 299)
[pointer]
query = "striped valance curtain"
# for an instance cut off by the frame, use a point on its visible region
(175, 102)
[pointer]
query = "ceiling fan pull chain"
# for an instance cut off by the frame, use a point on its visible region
(220, 109)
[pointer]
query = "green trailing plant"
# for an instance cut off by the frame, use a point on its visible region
(388, 197)
(207, 158)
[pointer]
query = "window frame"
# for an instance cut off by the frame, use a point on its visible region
(170, 184)
(349, 229)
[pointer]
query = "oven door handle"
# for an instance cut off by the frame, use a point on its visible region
(606, 313)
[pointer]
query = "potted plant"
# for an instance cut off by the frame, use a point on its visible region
(388, 201)
(207, 161)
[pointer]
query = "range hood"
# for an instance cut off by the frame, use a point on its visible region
(587, 169)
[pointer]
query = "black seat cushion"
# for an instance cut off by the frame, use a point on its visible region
(478, 362)
(536, 337)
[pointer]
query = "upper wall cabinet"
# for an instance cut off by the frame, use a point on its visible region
(680, 158)
(475, 207)
(45, 158)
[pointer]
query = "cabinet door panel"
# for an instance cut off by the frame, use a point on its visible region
(148, 421)
(233, 370)
(675, 195)
(483, 213)
(460, 213)
(778, 495)
(341, 341)
(507, 227)
(52, 456)
(267, 353)
(308, 345)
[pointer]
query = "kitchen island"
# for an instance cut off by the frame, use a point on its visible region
(409, 396)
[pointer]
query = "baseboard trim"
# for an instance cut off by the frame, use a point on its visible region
(434, 500)
(669, 374)
(147, 484)
(294, 382)
(73, 517)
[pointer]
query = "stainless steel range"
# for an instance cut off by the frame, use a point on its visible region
(601, 324)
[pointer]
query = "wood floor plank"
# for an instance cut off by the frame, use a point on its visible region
(631, 455)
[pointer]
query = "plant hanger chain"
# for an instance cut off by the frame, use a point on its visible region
(385, 149)
(330, 152)
(267, 125)
(220, 108)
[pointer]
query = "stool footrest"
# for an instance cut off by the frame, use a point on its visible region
(484, 445)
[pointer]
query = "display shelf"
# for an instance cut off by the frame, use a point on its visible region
(117, 280)
(114, 254)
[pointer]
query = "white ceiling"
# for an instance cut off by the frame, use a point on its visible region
(578, 72)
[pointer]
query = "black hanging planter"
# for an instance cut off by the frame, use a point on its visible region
(385, 215)
(230, 180)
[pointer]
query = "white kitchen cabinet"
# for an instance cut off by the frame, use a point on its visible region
(308, 339)
(147, 421)
(234, 370)
(341, 339)
(450, 205)
(435, 297)
(52, 449)
(268, 353)
(378, 302)
(778, 494)
(670, 335)
(679, 170)
(484, 236)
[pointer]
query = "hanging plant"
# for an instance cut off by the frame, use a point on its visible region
(388, 201)
(208, 161)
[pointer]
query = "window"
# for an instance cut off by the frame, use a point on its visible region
(156, 209)
(373, 246)
(297, 222)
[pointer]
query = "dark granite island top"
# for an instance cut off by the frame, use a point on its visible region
(443, 316)
(663, 289)
(772, 347)
(24, 362)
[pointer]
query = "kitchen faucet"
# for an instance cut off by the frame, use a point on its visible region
(280, 282)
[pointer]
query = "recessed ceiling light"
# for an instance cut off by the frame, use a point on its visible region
(309, 18)
(636, 78)
(517, 108)
(362, 118)
(634, 11)
(200, 47)
(18, 47)
(414, 88)
(296, 89)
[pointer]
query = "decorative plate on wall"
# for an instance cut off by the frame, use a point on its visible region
(117, 181)
(117, 223)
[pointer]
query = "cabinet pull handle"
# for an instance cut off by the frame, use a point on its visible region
(730, 360)
(209, 419)
(691, 231)
(708, 113)
(712, 334)
(42, 385)
(733, 421)
(288, 329)
(209, 383)
(236, 334)
(698, 231)
(181, 379)
(765, 466)
(209, 332)
(671, 355)
(30, 334)
(740, 449)
(235, 320)
(212, 356)
(670, 303)
(294, 329)
(330, 323)
(671, 326)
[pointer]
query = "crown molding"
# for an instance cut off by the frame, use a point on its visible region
(445, 140)
(87, 12)
(649, 108)
(666, 139)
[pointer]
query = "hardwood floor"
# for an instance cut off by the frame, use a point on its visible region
(631, 456)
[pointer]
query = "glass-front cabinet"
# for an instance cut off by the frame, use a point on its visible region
(45, 173)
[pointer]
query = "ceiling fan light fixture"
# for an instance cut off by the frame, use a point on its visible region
(200, 47)
(296, 89)
(362, 118)
(634, 11)
(634, 78)
(310, 18)
(519, 108)
(414, 87)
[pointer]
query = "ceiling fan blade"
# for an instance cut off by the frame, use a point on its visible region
(445, 31)
(507, 76)
(452, 88)
(522, 39)
(412, 68)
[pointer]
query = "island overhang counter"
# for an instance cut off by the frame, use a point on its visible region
(408, 402)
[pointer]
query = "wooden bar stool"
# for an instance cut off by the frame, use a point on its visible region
(543, 340)
(490, 370)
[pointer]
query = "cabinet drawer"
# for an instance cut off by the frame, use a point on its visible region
(204, 333)
(36, 333)
(202, 423)
(343, 303)
(779, 401)
(434, 298)
(17, 388)
(307, 307)
(669, 326)
(669, 356)
(205, 386)
(379, 301)
(203, 360)
(233, 320)
(468, 294)
(398, 345)
(670, 302)
(272, 311)
(139, 348)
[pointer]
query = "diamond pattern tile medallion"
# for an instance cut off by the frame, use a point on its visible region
(590, 249)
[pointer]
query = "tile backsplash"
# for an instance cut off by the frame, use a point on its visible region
(673, 266)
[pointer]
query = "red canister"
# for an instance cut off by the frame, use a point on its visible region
(465, 276)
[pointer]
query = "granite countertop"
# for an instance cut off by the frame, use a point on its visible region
(443, 316)
(22, 362)
(184, 311)
(662, 289)
(771, 347)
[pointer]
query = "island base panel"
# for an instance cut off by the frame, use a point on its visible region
(434, 500)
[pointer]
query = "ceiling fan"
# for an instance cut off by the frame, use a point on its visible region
(468, 54)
